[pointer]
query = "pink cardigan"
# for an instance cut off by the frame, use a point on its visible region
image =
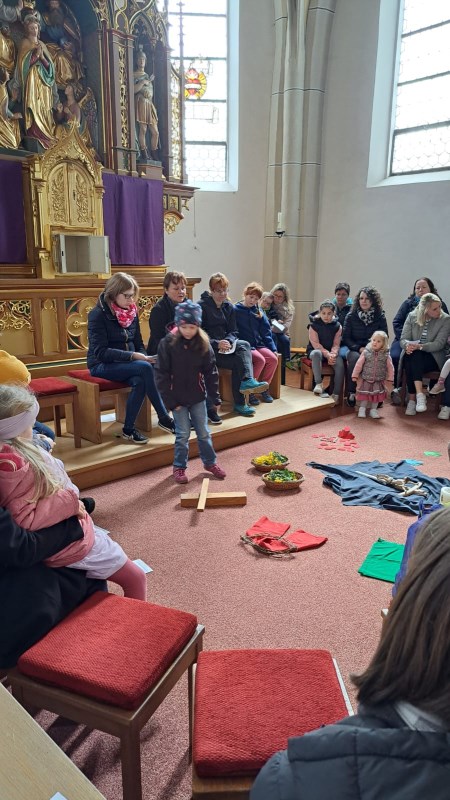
(17, 487)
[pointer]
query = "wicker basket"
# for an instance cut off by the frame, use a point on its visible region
(266, 467)
(283, 487)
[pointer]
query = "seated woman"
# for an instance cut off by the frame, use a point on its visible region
(421, 286)
(219, 322)
(281, 315)
(424, 340)
(397, 745)
(366, 317)
(116, 352)
(254, 327)
(162, 314)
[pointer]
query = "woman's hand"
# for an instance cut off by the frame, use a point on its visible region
(224, 346)
(411, 347)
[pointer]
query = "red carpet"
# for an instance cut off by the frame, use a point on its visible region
(316, 599)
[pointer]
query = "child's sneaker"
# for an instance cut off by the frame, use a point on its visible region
(335, 397)
(253, 385)
(362, 412)
(421, 402)
(318, 389)
(215, 470)
(254, 400)
(444, 413)
(266, 397)
(411, 408)
(374, 413)
(179, 475)
(438, 387)
(134, 436)
(244, 410)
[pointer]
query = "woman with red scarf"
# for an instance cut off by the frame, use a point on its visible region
(116, 352)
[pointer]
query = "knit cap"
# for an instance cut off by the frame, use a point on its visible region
(188, 312)
(12, 370)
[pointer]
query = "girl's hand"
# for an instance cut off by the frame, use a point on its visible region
(178, 408)
(82, 513)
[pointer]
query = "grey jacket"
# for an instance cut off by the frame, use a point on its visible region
(437, 334)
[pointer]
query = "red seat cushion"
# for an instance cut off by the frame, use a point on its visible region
(103, 384)
(47, 386)
(113, 649)
(248, 702)
(306, 361)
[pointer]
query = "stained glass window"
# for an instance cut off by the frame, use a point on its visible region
(198, 37)
(421, 136)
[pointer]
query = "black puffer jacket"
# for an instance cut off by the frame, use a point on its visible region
(371, 756)
(218, 322)
(108, 341)
(184, 375)
(162, 316)
(356, 334)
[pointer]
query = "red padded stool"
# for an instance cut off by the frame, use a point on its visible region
(54, 393)
(248, 703)
(109, 665)
(89, 389)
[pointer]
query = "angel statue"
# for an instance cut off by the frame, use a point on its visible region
(79, 107)
(62, 35)
(145, 110)
(10, 134)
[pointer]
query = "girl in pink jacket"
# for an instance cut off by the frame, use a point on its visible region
(37, 491)
(373, 370)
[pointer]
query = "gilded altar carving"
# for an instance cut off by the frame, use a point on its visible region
(145, 305)
(15, 315)
(77, 333)
(171, 220)
(58, 195)
(123, 83)
(82, 200)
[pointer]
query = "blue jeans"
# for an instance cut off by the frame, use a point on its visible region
(183, 417)
(139, 375)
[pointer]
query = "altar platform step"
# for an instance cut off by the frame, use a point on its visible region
(96, 464)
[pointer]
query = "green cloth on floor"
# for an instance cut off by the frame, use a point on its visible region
(382, 561)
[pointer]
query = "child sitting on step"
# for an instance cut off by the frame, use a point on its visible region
(373, 370)
(37, 491)
(185, 373)
(325, 334)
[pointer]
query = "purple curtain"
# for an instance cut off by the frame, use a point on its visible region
(13, 246)
(133, 220)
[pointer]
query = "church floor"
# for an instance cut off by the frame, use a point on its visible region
(94, 465)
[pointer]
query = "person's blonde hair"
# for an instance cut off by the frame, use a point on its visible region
(15, 399)
(118, 283)
(382, 335)
(422, 308)
(287, 302)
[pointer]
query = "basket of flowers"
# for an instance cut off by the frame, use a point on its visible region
(269, 461)
(282, 479)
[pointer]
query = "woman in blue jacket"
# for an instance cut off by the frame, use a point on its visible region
(254, 328)
(116, 352)
(398, 744)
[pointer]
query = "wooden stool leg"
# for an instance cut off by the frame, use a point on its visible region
(130, 752)
(57, 418)
(75, 407)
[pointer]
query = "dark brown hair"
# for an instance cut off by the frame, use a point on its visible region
(412, 660)
(174, 277)
(373, 295)
(433, 289)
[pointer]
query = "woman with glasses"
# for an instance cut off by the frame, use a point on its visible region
(219, 322)
(116, 352)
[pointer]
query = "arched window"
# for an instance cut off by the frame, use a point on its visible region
(421, 119)
(199, 37)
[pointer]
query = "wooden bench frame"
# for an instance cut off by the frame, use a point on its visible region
(89, 412)
(71, 402)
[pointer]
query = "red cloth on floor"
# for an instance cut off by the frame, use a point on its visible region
(304, 540)
(266, 525)
(270, 544)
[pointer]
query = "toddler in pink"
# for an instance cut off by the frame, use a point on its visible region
(37, 491)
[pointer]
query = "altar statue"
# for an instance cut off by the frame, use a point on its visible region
(62, 35)
(10, 13)
(79, 108)
(7, 48)
(145, 110)
(35, 77)
(10, 134)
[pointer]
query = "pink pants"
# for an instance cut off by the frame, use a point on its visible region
(264, 364)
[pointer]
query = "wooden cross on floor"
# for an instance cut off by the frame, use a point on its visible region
(212, 499)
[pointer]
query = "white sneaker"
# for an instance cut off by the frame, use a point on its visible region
(444, 413)
(437, 388)
(318, 389)
(362, 412)
(374, 414)
(411, 408)
(336, 399)
(421, 402)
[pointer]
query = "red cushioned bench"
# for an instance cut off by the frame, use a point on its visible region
(247, 704)
(89, 390)
(109, 665)
(54, 393)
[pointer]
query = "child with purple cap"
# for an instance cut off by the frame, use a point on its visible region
(185, 373)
